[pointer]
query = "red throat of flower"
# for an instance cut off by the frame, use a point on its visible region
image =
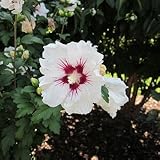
(74, 76)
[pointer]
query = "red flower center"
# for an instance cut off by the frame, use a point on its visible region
(74, 76)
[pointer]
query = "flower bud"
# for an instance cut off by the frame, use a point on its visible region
(66, 14)
(20, 17)
(12, 54)
(35, 82)
(102, 69)
(20, 48)
(61, 12)
(25, 55)
(70, 14)
(51, 25)
(39, 91)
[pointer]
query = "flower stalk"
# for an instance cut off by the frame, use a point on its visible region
(15, 46)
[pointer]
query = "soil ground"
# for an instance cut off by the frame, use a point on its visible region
(98, 137)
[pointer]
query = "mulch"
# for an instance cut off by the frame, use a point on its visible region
(96, 136)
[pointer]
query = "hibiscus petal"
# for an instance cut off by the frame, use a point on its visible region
(117, 95)
(82, 102)
(55, 94)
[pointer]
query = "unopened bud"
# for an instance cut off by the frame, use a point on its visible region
(12, 54)
(20, 17)
(35, 82)
(102, 69)
(70, 14)
(39, 91)
(25, 55)
(61, 12)
(20, 48)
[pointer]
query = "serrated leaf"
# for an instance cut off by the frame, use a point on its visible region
(38, 101)
(53, 124)
(19, 97)
(105, 94)
(44, 113)
(24, 109)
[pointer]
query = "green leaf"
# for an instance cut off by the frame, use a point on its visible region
(8, 139)
(22, 125)
(28, 89)
(43, 113)
(6, 81)
(5, 37)
(30, 39)
(54, 125)
(22, 153)
(38, 101)
(20, 98)
(105, 94)
(6, 16)
(24, 109)
(19, 62)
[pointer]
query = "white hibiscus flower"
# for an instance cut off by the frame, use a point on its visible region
(71, 76)
(117, 95)
(14, 5)
(41, 10)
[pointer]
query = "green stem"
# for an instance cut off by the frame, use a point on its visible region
(62, 29)
(15, 46)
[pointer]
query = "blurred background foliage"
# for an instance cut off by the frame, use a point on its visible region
(127, 32)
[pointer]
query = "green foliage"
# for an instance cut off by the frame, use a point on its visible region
(30, 39)
(6, 16)
(8, 139)
(24, 119)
